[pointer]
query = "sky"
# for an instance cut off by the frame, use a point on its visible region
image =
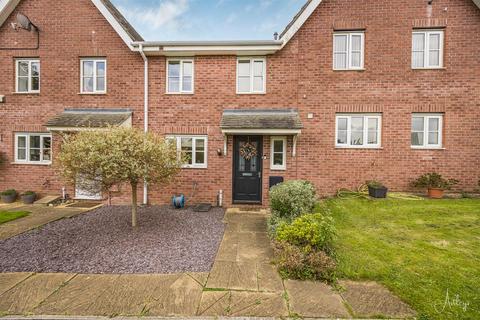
(180, 20)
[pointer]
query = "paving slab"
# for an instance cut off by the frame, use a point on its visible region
(233, 275)
(248, 304)
(9, 280)
(268, 278)
(28, 294)
(370, 299)
(254, 247)
(200, 277)
(315, 299)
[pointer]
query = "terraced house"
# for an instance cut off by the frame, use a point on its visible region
(349, 91)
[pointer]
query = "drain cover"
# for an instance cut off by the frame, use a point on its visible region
(202, 207)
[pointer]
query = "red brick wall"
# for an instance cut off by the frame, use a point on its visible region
(299, 76)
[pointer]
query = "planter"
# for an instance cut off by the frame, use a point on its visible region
(435, 193)
(29, 198)
(9, 198)
(379, 193)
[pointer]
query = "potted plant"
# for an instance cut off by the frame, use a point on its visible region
(28, 197)
(435, 184)
(8, 196)
(376, 189)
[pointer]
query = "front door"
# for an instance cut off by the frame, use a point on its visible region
(247, 169)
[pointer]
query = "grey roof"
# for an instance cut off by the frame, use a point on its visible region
(89, 118)
(295, 18)
(129, 29)
(261, 119)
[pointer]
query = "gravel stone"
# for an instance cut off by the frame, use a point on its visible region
(103, 241)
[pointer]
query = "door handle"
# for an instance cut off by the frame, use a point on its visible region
(260, 174)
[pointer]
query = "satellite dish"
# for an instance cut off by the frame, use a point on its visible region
(25, 23)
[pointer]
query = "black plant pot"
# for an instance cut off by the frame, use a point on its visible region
(28, 198)
(377, 192)
(9, 198)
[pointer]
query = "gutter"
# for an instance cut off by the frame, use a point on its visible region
(145, 113)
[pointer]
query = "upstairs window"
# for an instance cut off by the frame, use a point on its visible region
(358, 131)
(192, 149)
(348, 50)
(427, 49)
(278, 157)
(180, 76)
(251, 75)
(33, 148)
(27, 76)
(93, 74)
(427, 131)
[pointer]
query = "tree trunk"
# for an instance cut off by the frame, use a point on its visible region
(134, 204)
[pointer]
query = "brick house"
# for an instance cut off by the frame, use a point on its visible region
(350, 91)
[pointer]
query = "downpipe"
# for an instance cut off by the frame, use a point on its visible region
(145, 113)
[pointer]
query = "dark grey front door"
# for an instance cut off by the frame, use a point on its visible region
(247, 169)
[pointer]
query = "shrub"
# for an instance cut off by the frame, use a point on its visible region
(10, 192)
(291, 199)
(310, 232)
(375, 184)
(295, 263)
(434, 180)
(28, 193)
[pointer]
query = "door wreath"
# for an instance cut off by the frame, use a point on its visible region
(248, 151)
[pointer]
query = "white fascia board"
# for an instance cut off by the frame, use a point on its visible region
(293, 29)
(263, 131)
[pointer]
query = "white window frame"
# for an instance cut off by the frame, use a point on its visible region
(178, 141)
(181, 61)
(95, 62)
(284, 153)
(29, 86)
(252, 61)
(426, 129)
(348, 51)
(27, 160)
(366, 117)
(426, 48)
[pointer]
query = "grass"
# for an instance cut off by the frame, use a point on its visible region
(419, 249)
(6, 216)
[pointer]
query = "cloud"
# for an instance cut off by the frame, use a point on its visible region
(167, 14)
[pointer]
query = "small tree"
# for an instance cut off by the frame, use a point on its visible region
(116, 156)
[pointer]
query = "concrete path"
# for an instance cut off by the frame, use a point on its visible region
(242, 283)
(40, 215)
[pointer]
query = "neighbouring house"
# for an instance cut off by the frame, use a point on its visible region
(349, 91)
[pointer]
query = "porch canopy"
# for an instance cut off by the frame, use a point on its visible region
(84, 119)
(262, 122)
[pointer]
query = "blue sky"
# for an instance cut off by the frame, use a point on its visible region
(208, 19)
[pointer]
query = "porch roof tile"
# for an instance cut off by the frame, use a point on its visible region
(261, 119)
(90, 118)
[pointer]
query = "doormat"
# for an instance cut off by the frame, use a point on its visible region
(202, 207)
(84, 205)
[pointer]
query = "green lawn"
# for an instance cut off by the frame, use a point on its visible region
(419, 249)
(6, 216)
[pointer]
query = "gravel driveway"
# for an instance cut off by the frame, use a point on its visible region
(103, 241)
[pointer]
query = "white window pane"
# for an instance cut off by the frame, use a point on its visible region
(187, 69)
(101, 84)
(258, 68)
(418, 124)
(434, 59)
(34, 142)
(418, 59)
(244, 68)
(200, 157)
(174, 69)
(342, 137)
(417, 138)
(357, 138)
(356, 43)
(244, 84)
(22, 154)
(372, 137)
(434, 41)
(433, 138)
(340, 43)
(258, 84)
(22, 84)
(433, 124)
(187, 84)
(22, 142)
(340, 61)
(373, 124)
(418, 41)
(22, 68)
(88, 68)
(200, 144)
(100, 69)
(187, 149)
(35, 84)
(173, 84)
(356, 59)
(278, 146)
(35, 69)
(34, 154)
(278, 159)
(357, 123)
(342, 123)
(88, 84)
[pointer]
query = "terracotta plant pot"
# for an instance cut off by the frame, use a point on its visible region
(435, 193)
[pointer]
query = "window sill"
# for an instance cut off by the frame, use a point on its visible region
(92, 93)
(346, 70)
(278, 169)
(34, 93)
(194, 167)
(358, 148)
(428, 148)
(180, 93)
(32, 163)
(431, 68)
(250, 93)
